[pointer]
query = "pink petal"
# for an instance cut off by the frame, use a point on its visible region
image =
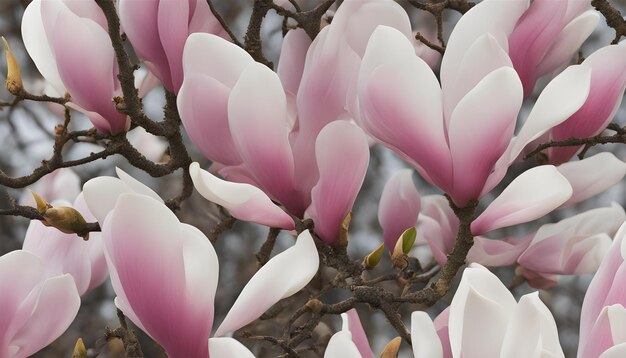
(153, 255)
(531, 195)
(494, 253)
(397, 90)
(86, 64)
(211, 134)
(342, 154)
(489, 111)
(257, 114)
(535, 31)
(561, 98)
(341, 345)
(568, 41)
(244, 201)
(608, 81)
(228, 347)
(173, 26)
(55, 304)
(292, 57)
(438, 226)
(284, 275)
(424, 337)
(351, 318)
(140, 22)
(592, 175)
(399, 206)
(605, 330)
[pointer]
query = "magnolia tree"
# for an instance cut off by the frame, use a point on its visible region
(288, 147)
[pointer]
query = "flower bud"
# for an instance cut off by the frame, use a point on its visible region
(79, 349)
(66, 219)
(392, 348)
(42, 205)
(403, 247)
(374, 257)
(14, 76)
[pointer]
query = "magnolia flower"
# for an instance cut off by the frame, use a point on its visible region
(158, 30)
(70, 45)
(67, 253)
(399, 206)
(483, 320)
(36, 308)
(602, 332)
(398, 90)
(252, 142)
(144, 242)
(181, 269)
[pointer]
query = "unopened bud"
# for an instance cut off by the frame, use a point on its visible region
(315, 305)
(403, 247)
(14, 76)
(42, 205)
(392, 348)
(343, 230)
(79, 349)
(66, 219)
(374, 257)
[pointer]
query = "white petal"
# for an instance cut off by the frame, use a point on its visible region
(228, 347)
(531, 195)
(592, 175)
(561, 98)
(341, 346)
(424, 338)
(284, 275)
(137, 186)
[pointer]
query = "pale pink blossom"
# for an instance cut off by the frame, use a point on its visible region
(350, 341)
(151, 254)
(61, 184)
(36, 308)
(399, 206)
(68, 41)
(602, 331)
(67, 253)
(158, 30)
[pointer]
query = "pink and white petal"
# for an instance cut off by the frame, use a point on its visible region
(226, 63)
(561, 98)
(592, 175)
(257, 116)
(608, 82)
(441, 325)
(281, 277)
(292, 57)
(601, 292)
(86, 64)
(203, 20)
(173, 25)
(497, 18)
(140, 22)
(201, 278)
(353, 323)
(424, 338)
(141, 223)
(244, 201)
(483, 57)
(616, 351)
(601, 336)
(399, 206)
(491, 107)
(56, 304)
(210, 133)
(568, 41)
(342, 155)
(494, 253)
(479, 312)
(533, 35)
(398, 90)
(531, 195)
(101, 194)
(341, 345)
(137, 186)
(38, 47)
(228, 347)
(531, 331)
